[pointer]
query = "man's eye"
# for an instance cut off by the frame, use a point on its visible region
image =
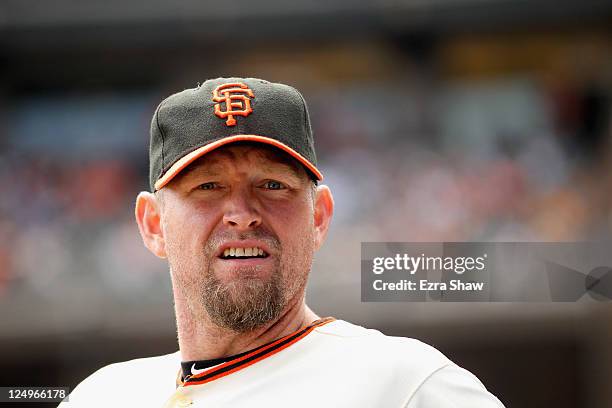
(273, 185)
(207, 186)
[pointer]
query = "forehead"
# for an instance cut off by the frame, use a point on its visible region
(254, 154)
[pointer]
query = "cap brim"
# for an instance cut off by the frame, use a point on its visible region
(199, 152)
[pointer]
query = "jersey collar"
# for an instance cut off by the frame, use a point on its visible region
(243, 361)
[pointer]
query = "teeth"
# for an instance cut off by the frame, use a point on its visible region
(239, 252)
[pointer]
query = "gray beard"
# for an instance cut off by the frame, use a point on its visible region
(246, 302)
(243, 304)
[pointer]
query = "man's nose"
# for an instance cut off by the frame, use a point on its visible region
(241, 212)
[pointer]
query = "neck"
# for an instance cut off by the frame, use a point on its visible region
(200, 339)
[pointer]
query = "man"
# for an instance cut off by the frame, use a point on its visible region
(237, 211)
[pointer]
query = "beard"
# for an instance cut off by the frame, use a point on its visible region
(248, 301)
(244, 303)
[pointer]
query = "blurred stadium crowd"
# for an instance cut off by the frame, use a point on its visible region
(408, 159)
(446, 120)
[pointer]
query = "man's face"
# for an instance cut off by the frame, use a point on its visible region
(239, 234)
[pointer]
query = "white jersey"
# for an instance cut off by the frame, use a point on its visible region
(331, 363)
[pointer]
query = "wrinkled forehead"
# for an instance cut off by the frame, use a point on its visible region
(257, 154)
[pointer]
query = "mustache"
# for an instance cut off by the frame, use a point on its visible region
(259, 233)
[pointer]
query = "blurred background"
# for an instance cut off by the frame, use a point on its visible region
(439, 120)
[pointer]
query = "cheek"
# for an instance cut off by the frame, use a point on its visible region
(186, 231)
(298, 250)
(295, 226)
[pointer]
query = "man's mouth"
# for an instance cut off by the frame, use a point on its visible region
(243, 253)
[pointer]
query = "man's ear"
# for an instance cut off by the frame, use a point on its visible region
(323, 211)
(148, 218)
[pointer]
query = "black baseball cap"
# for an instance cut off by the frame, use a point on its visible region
(191, 123)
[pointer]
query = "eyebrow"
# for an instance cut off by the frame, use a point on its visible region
(283, 166)
(203, 169)
(210, 167)
(279, 159)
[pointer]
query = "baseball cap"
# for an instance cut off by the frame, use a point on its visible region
(196, 121)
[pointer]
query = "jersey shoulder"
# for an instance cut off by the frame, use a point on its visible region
(118, 383)
(364, 337)
(422, 375)
(370, 344)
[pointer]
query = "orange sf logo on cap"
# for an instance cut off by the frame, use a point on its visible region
(237, 101)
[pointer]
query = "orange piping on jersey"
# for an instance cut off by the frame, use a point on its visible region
(186, 160)
(265, 355)
(252, 361)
